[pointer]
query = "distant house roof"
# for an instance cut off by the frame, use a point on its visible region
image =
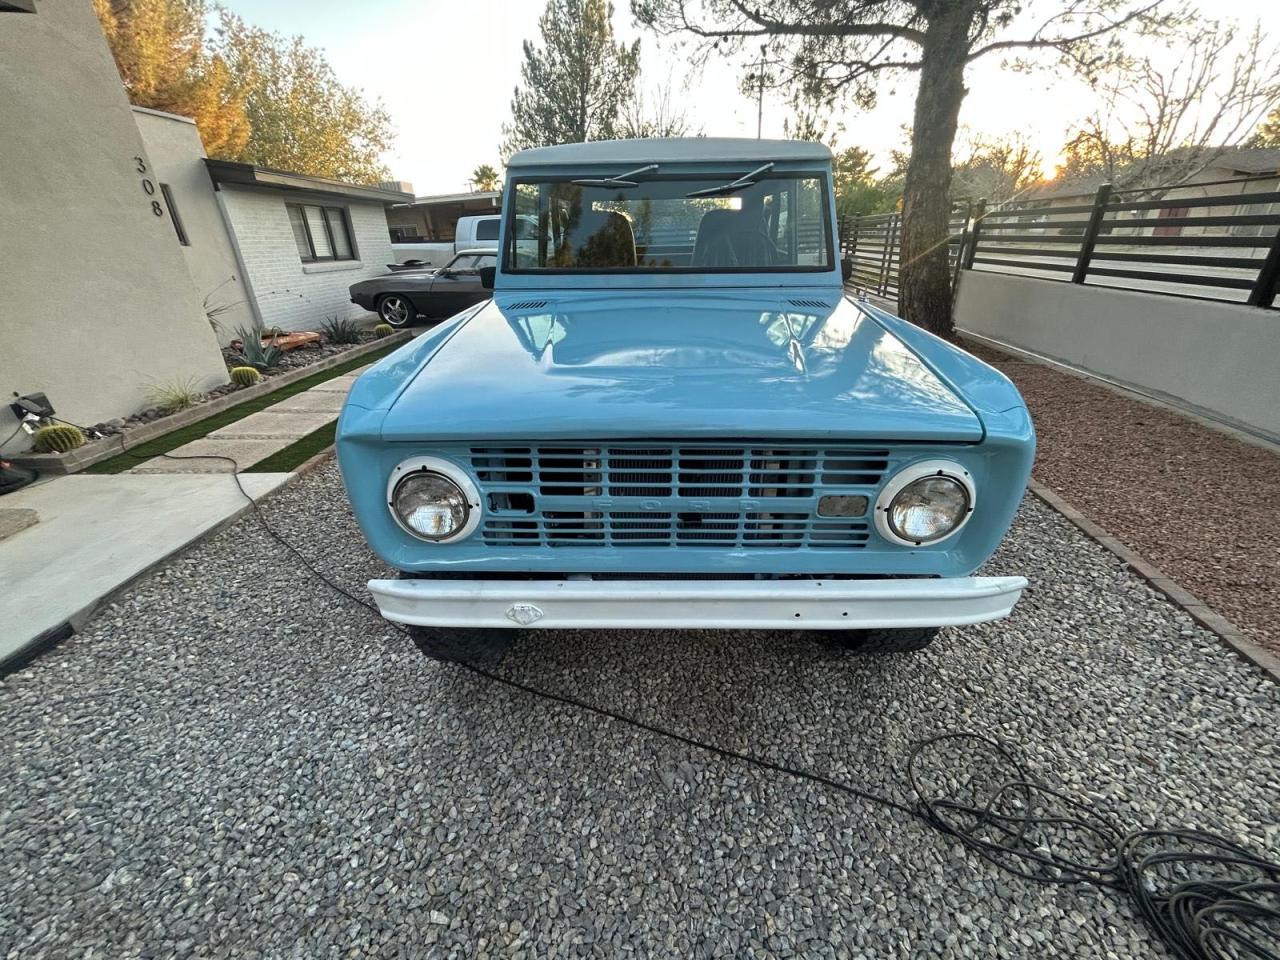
(1250, 160)
(246, 174)
(1237, 161)
(671, 150)
(492, 196)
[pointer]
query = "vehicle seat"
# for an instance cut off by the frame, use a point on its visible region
(728, 239)
(603, 239)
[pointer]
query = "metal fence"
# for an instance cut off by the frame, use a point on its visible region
(872, 244)
(1194, 240)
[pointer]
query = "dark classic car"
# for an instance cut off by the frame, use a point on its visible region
(401, 296)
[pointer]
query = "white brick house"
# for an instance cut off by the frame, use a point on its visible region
(302, 241)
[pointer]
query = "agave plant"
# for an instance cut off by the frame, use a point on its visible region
(340, 330)
(253, 353)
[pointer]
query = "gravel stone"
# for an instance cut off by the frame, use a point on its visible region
(1197, 503)
(233, 760)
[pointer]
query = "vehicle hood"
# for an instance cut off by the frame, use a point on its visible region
(687, 363)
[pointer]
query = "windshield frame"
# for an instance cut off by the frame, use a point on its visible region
(506, 258)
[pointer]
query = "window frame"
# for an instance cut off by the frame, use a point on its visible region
(174, 217)
(506, 256)
(328, 229)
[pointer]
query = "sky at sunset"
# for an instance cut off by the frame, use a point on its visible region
(446, 71)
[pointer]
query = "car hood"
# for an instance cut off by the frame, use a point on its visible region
(705, 364)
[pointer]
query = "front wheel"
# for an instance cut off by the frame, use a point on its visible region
(396, 310)
(885, 641)
(463, 644)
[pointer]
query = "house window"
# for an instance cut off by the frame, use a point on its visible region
(173, 215)
(321, 233)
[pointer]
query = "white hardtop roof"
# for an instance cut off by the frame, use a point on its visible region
(671, 150)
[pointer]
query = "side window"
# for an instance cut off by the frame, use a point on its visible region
(486, 261)
(487, 229)
(320, 233)
(173, 215)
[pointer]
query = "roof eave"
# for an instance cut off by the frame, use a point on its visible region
(246, 174)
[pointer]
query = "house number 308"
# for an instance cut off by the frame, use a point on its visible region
(148, 186)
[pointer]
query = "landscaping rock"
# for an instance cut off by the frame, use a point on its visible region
(236, 760)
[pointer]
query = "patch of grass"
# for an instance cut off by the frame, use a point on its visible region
(176, 394)
(171, 441)
(297, 453)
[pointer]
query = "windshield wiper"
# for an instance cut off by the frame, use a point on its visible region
(746, 180)
(621, 180)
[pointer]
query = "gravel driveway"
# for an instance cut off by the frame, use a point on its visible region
(233, 761)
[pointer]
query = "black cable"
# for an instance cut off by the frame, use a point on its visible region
(1205, 897)
(12, 435)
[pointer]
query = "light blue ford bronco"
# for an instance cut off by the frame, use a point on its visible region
(670, 415)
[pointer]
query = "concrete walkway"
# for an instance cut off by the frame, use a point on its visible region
(68, 543)
(242, 444)
(93, 534)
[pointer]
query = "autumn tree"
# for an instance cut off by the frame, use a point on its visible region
(159, 50)
(1268, 132)
(302, 117)
(574, 86)
(1166, 119)
(839, 48)
(484, 177)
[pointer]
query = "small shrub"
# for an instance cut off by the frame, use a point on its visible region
(383, 330)
(253, 353)
(175, 394)
(340, 330)
(58, 438)
(245, 376)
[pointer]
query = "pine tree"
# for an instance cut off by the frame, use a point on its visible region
(574, 87)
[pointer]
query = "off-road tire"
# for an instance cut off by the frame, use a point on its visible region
(463, 644)
(885, 641)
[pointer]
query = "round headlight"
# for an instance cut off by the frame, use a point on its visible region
(430, 505)
(928, 509)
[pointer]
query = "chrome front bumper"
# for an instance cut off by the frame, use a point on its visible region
(698, 604)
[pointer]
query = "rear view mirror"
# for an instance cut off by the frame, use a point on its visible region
(486, 277)
(846, 269)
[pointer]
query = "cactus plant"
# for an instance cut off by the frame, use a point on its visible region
(58, 438)
(245, 376)
(383, 330)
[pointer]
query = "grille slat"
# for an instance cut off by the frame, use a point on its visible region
(686, 495)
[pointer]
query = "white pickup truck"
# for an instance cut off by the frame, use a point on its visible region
(471, 232)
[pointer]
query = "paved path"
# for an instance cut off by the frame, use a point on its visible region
(234, 761)
(242, 444)
(94, 533)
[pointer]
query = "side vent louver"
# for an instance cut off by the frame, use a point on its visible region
(821, 304)
(528, 305)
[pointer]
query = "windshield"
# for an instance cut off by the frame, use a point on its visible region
(774, 223)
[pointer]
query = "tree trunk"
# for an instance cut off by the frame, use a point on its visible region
(924, 280)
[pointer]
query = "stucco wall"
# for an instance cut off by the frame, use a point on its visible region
(1219, 357)
(291, 294)
(177, 155)
(96, 304)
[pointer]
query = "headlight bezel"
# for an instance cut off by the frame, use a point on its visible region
(449, 471)
(913, 473)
